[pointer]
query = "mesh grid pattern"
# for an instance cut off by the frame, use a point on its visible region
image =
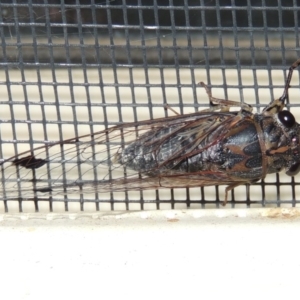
(75, 67)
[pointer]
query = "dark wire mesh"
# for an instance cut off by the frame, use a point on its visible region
(74, 67)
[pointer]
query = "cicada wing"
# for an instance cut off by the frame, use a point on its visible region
(59, 167)
(93, 164)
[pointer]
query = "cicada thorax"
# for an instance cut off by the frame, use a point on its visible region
(242, 146)
(262, 144)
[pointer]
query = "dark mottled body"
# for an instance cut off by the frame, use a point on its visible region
(241, 149)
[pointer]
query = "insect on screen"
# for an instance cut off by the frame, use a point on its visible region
(72, 70)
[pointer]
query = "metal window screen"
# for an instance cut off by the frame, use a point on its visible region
(70, 68)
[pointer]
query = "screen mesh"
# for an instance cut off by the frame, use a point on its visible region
(72, 68)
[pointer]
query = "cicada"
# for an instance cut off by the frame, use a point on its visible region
(216, 146)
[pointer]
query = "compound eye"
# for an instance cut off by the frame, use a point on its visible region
(286, 118)
(294, 170)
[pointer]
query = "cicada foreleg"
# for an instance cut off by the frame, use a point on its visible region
(223, 104)
(278, 105)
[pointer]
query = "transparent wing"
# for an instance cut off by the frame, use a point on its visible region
(108, 161)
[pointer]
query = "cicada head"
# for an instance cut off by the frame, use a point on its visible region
(288, 146)
(290, 141)
(282, 142)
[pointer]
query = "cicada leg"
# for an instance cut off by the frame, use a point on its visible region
(222, 104)
(167, 106)
(278, 105)
(228, 189)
